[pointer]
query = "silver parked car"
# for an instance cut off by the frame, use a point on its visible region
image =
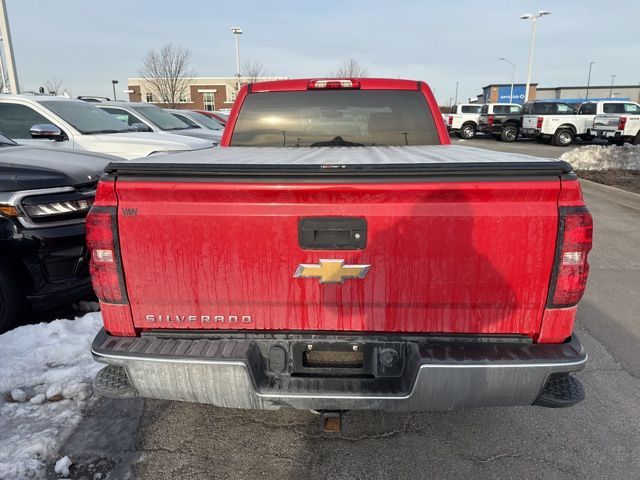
(150, 118)
(196, 119)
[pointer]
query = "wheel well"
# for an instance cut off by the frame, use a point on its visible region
(470, 122)
(567, 126)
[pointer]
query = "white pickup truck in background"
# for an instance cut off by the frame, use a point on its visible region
(463, 120)
(557, 122)
(618, 123)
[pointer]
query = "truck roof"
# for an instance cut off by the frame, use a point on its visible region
(331, 160)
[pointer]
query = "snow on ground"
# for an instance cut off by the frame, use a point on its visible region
(46, 372)
(600, 157)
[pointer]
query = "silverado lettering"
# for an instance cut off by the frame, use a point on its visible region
(198, 318)
(383, 267)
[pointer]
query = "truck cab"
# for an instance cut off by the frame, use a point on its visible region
(501, 120)
(463, 120)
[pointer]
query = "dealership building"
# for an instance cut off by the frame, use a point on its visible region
(500, 93)
(202, 93)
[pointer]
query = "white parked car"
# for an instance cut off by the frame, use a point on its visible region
(151, 118)
(463, 119)
(619, 122)
(64, 123)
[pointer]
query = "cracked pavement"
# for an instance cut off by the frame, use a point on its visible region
(599, 438)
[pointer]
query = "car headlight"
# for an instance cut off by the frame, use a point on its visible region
(52, 209)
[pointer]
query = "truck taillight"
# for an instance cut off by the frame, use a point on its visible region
(569, 279)
(331, 84)
(622, 122)
(490, 119)
(105, 265)
(450, 119)
(539, 123)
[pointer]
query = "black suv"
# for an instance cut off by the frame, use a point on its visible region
(45, 194)
(502, 120)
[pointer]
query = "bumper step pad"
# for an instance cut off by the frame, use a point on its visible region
(112, 381)
(561, 391)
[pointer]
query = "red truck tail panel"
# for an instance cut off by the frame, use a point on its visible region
(451, 257)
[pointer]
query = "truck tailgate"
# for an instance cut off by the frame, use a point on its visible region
(465, 256)
(606, 122)
(530, 122)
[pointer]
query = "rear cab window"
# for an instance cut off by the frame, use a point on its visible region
(470, 108)
(588, 109)
(335, 118)
(613, 108)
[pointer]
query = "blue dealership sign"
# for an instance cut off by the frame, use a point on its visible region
(504, 94)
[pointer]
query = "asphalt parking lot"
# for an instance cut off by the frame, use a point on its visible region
(599, 438)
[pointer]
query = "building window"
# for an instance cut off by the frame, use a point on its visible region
(149, 97)
(184, 98)
(209, 101)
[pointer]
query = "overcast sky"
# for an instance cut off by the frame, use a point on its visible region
(87, 43)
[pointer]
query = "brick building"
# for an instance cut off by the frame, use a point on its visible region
(203, 93)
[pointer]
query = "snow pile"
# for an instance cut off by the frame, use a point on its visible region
(597, 157)
(46, 372)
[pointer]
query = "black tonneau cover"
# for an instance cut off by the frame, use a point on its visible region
(340, 161)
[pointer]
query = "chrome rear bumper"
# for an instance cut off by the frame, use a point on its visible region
(437, 375)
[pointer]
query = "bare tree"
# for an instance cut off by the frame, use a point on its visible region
(350, 69)
(53, 86)
(252, 71)
(168, 72)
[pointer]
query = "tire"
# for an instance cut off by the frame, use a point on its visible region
(509, 133)
(563, 137)
(12, 300)
(636, 139)
(467, 131)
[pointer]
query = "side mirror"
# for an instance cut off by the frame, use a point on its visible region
(48, 131)
(140, 127)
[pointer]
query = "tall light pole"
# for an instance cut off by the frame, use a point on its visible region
(586, 97)
(113, 84)
(456, 100)
(237, 31)
(4, 82)
(9, 59)
(513, 73)
(534, 18)
(613, 76)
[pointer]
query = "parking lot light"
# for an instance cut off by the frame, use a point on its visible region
(237, 31)
(613, 77)
(586, 97)
(113, 84)
(533, 17)
(513, 72)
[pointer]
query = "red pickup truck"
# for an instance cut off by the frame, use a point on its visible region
(368, 264)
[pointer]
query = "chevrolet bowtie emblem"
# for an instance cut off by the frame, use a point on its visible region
(331, 271)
